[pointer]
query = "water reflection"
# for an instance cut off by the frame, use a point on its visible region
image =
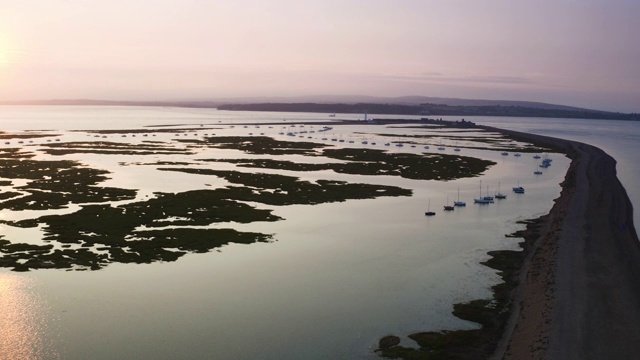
(23, 323)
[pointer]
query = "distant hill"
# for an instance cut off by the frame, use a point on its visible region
(428, 109)
(400, 100)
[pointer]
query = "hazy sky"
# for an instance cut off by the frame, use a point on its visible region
(573, 52)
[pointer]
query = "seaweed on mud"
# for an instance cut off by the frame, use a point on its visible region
(15, 153)
(380, 162)
(259, 145)
(110, 148)
(56, 184)
(275, 189)
(140, 232)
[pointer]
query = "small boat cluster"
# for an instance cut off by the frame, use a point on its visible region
(544, 164)
(486, 199)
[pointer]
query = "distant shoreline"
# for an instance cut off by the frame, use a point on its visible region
(429, 109)
(497, 109)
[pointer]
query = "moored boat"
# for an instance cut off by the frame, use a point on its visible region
(448, 207)
(498, 194)
(481, 199)
(458, 202)
(429, 212)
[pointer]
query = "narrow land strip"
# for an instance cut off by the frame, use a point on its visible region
(580, 292)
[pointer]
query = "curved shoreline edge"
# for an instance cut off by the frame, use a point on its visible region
(579, 291)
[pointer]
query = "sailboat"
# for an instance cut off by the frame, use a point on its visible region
(448, 207)
(488, 197)
(458, 202)
(518, 189)
(429, 212)
(498, 194)
(480, 199)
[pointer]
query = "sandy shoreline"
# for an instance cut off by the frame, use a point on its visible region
(579, 293)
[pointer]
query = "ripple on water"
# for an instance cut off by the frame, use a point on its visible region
(24, 321)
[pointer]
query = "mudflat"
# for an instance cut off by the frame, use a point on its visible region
(579, 296)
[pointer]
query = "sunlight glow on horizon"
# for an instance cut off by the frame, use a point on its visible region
(565, 52)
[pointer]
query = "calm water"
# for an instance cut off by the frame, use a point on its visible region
(338, 277)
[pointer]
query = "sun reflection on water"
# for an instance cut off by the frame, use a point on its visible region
(23, 321)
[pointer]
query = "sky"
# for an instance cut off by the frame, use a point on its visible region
(582, 53)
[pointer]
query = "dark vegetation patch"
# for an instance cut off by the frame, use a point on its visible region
(487, 138)
(148, 131)
(156, 163)
(140, 232)
(260, 145)
(25, 135)
(55, 184)
(498, 142)
(148, 246)
(15, 153)
(437, 128)
(380, 162)
(110, 148)
(491, 314)
(275, 189)
(414, 166)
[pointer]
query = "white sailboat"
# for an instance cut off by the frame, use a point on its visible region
(458, 202)
(480, 199)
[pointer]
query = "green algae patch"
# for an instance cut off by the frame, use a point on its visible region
(149, 246)
(25, 135)
(149, 130)
(414, 166)
(379, 162)
(275, 189)
(484, 140)
(56, 184)
(259, 145)
(15, 153)
(139, 232)
(110, 148)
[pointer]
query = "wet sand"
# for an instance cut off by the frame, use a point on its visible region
(579, 294)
